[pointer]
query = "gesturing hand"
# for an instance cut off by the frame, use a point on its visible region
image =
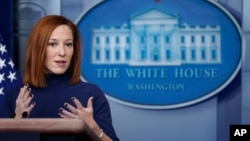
(79, 111)
(23, 102)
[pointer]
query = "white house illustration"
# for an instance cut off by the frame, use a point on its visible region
(155, 37)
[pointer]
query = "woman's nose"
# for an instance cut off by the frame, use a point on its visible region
(61, 50)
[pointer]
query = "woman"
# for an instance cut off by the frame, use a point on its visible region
(52, 86)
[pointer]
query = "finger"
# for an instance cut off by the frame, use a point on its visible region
(90, 102)
(66, 113)
(70, 107)
(22, 91)
(77, 103)
(20, 103)
(27, 94)
(62, 115)
(25, 90)
(65, 116)
(30, 108)
(28, 101)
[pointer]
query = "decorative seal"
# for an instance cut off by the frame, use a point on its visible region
(160, 54)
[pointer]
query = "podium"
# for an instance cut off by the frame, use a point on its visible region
(45, 129)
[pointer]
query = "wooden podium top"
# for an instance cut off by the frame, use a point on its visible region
(45, 126)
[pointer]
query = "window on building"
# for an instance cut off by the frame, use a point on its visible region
(127, 54)
(156, 54)
(192, 39)
(167, 40)
(202, 39)
(155, 38)
(117, 40)
(168, 54)
(143, 54)
(183, 54)
(193, 54)
(182, 39)
(156, 57)
(203, 53)
(127, 40)
(107, 54)
(213, 53)
(107, 40)
(213, 39)
(97, 54)
(97, 40)
(142, 39)
(117, 54)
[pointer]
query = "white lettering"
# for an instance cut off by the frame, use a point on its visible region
(108, 73)
(156, 87)
(239, 132)
(146, 73)
(196, 73)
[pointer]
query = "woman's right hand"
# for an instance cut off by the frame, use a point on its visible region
(23, 102)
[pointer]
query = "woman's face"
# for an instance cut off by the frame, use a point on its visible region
(60, 50)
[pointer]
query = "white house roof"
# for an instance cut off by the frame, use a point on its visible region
(153, 14)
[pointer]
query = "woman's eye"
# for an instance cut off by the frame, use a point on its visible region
(69, 44)
(52, 44)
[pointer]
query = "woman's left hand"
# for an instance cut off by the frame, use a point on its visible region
(85, 113)
(79, 111)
